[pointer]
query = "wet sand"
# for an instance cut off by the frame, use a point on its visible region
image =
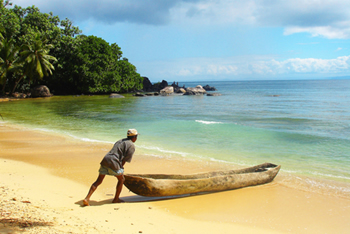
(54, 173)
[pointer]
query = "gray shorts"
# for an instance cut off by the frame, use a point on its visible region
(108, 171)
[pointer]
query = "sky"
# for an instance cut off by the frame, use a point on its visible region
(214, 40)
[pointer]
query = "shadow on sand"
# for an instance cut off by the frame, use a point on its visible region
(133, 199)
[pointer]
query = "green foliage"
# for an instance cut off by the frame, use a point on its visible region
(82, 64)
(36, 59)
(8, 54)
(98, 69)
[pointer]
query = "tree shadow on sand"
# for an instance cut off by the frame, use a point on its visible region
(11, 225)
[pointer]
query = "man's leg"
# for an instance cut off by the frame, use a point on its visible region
(93, 188)
(121, 180)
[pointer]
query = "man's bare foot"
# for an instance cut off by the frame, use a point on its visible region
(118, 201)
(86, 202)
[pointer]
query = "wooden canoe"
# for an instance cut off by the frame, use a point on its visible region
(159, 185)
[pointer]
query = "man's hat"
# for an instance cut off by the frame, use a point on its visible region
(132, 132)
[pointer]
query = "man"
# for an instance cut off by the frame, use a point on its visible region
(113, 164)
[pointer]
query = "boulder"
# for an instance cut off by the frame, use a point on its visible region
(18, 95)
(147, 85)
(167, 91)
(198, 90)
(181, 90)
(213, 94)
(41, 91)
(139, 95)
(159, 86)
(115, 95)
(209, 88)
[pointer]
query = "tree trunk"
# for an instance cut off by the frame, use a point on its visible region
(3, 88)
(16, 83)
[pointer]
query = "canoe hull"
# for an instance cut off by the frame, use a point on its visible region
(158, 185)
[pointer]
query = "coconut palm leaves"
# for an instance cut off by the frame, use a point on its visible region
(34, 60)
(37, 60)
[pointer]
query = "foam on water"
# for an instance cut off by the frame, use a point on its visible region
(208, 122)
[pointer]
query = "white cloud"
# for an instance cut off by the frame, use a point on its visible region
(326, 18)
(330, 32)
(312, 65)
(214, 12)
(257, 67)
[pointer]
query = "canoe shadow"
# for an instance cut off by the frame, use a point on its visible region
(137, 199)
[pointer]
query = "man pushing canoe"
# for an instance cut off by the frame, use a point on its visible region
(113, 164)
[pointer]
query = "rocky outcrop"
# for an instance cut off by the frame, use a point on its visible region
(149, 87)
(159, 86)
(198, 90)
(164, 89)
(177, 88)
(115, 95)
(41, 91)
(167, 91)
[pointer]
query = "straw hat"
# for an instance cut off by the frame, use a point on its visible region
(132, 132)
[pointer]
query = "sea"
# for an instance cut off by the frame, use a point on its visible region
(302, 125)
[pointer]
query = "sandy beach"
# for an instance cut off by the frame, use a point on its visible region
(45, 176)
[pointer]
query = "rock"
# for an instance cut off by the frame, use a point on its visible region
(209, 88)
(18, 95)
(22, 95)
(139, 95)
(41, 91)
(181, 90)
(159, 86)
(177, 88)
(213, 94)
(115, 95)
(147, 85)
(198, 90)
(167, 91)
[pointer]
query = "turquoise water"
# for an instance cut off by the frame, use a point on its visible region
(302, 125)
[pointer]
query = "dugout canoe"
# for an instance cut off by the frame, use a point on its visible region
(159, 185)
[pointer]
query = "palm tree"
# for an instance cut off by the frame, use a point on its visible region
(35, 60)
(8, 53)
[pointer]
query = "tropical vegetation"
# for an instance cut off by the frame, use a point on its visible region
(40, 49)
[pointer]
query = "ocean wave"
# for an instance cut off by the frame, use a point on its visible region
(164, 151)
(64, 133)
(208, 122)
(87, 139)
(316, 185)
(315, 173)
(330, 176)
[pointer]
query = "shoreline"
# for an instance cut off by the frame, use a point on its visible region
(306, 183)
(268, 208)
